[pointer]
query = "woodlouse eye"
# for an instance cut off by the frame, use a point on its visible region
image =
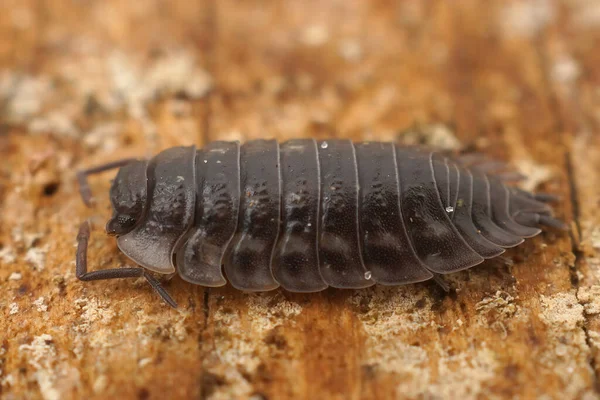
(120, 224)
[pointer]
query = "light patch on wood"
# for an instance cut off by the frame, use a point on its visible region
(25, 94)
(565, 70)
(567, 349)
(41, 355)
(434, 135)
(15, 276)
(7, 255)
(100, 383)
(535, 173)
(25, 239)
(562, 310)
(589, 296)
(110, 81)
(39, 304)
(351, 50)
(60, 122)
(314, 35)
(8, 380)
(177, 73)
(586, 13)
(526, 18)
(261, 308)
(477, 367)
(393, 316)
(92, 311)
(144, 361)
(387, 314)
(36, 256)
(239, 342)
(103, 136)
(494, 311)
(173, 327)
(390, 310)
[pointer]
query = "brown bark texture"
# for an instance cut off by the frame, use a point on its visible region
(85, 82)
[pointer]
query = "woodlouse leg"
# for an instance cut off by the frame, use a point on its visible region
(437, 278)
(546, 197)
(84, 187)
(115, 273)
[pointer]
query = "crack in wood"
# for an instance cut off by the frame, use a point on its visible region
(560, 126)
(579, 259)
(206, 306)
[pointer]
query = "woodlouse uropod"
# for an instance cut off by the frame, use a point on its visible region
(307, 214)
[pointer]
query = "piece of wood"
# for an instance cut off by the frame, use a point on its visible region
(83, 83)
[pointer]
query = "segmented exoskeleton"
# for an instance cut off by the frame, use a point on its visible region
(307, 214)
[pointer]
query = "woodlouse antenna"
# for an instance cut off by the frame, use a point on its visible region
(114, 273)
(84, 187)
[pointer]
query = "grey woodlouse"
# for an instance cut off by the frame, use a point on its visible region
(307, 214)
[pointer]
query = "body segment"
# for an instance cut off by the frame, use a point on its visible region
(169, 211)
(340, 254)
(387, 250)
(296, 259)
(200, 258)
(247, 260)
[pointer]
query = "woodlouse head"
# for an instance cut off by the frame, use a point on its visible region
(128, 196)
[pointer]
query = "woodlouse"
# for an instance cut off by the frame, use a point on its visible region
(307, 214)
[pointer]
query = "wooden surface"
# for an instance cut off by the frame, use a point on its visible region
(83, 82)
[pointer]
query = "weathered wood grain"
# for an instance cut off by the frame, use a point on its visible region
(86, 82)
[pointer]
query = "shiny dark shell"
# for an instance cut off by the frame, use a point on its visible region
(307, 214)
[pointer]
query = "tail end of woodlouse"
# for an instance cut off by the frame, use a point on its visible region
(553, 223)
(534, 220)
